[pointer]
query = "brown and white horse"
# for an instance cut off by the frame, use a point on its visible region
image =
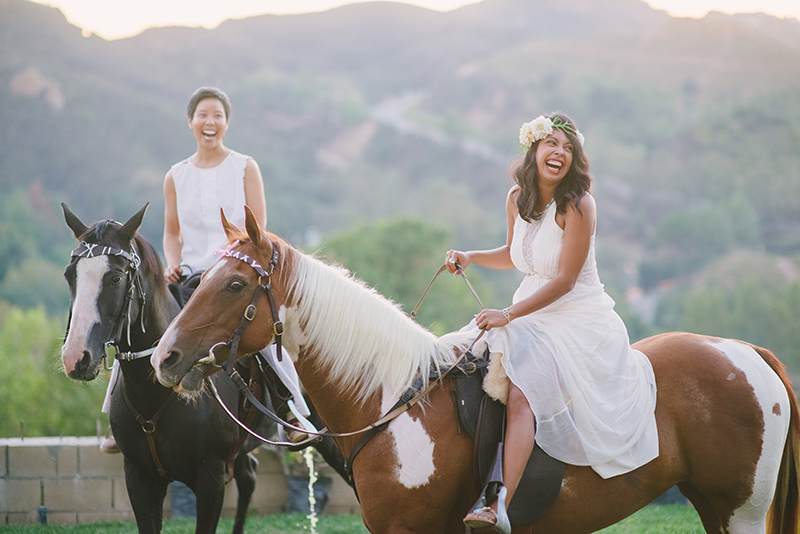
(727, 416)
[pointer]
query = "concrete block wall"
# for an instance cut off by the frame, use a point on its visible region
(76, 483)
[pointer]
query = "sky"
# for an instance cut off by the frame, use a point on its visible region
(115, 19)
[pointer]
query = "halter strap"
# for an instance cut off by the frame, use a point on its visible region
(229, 253)
(93, 250)
(250, 311)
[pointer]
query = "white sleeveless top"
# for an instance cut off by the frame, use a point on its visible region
(200, 195)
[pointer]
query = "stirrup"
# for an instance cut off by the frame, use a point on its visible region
(503, 523)
(482, 516)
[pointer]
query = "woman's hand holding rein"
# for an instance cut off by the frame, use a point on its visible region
(488, 319)
(455, 259)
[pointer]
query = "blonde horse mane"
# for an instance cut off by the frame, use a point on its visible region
(362, 339)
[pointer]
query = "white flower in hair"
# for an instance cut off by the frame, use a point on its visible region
(541, 127)
(526, 135)
(536, 130)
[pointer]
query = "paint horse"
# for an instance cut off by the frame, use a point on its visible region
(118, 294)
(727, 417)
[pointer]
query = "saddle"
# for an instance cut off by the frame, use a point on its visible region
(482, 418)
(184, 288)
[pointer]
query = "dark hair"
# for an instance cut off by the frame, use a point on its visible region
(209, 92)
(572, 187)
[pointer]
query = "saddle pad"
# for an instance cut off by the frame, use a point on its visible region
(482, 418)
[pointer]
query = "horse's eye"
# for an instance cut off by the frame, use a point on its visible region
(236, 285)
(116, 279)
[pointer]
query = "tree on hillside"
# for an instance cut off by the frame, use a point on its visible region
(755, 311)
(36, 393)
(398, 258)
(32, 255)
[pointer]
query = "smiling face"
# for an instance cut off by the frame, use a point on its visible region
(554, 157)
(209, 123)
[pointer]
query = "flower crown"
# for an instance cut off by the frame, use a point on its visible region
(541, 127)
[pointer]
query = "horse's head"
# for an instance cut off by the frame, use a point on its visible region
(216, 321)
(101, 277)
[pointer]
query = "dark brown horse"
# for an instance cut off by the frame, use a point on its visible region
(727, 417)
(118, 294)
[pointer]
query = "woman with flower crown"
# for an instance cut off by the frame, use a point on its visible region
(576, 385)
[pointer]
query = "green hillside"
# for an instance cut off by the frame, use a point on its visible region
(380, 111)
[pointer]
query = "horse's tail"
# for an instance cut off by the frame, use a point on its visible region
(784, 514)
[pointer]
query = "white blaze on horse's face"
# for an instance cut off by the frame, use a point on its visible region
(88, 284)
(213, 270)
(412, 446)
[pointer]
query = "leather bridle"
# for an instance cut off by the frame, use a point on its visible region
(133, 290)
(264, 287)
(406, 402)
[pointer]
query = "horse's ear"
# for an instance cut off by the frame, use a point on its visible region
(74, 223)
(129, 228)
(231, 231)
(251, 225)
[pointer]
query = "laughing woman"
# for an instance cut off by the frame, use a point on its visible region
(195, 189)
(576, 383)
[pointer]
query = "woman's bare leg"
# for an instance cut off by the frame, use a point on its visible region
(517, 448)
(519, 439)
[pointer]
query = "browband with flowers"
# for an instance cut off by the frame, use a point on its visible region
(229, 253)
(541, 127)
(92, 250)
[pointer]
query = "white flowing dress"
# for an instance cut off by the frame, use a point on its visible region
(592, 394)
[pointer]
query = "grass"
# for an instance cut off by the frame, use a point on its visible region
(269, 524)
(660, 519)
(654, 519)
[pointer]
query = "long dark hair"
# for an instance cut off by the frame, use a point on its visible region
(570, 190)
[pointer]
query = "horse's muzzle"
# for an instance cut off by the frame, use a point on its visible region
(83, 368)
(169, 365)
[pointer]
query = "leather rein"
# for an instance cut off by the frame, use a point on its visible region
(406, 402)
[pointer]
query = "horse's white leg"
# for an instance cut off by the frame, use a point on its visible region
(750, 518)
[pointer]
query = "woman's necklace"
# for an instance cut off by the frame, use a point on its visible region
(550, 203)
